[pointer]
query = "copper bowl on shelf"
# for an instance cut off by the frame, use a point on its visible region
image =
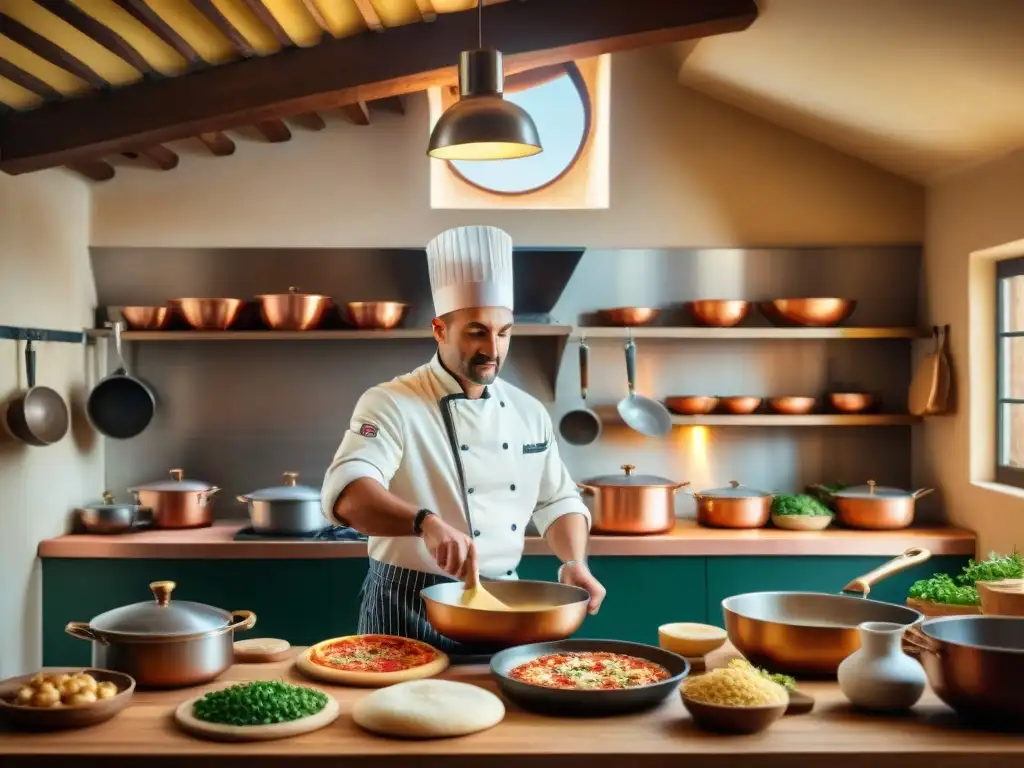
(691, 405)
(850, 402)
(740, 405)
(145, 318)
(808, 313)
(627, 316)
(719, 313)
(293, 311)
(209, 314)
(375, 315)
(792, 406)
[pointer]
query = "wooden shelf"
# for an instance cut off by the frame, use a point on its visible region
(654, 332)
(809, 420)
(333, 335)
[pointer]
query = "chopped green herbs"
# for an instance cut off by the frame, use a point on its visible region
(785, 681)
(259, 703)
(943, 588)
(799, 504)
(994, 568)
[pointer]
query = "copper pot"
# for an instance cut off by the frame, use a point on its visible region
(874, 507)
(146, 318)
(691, 405)
(740, 405)
(208, 314)
(627, 316)
(808, 313)
(292, 311)
(850, 402)
(792, 406)
(632, 504)
(734, 506)
(177, 503)
(375, 315)
(975, 664)
(719, 313)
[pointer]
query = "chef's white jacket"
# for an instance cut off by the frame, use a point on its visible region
(420, 437)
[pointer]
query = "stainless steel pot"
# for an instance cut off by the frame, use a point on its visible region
(632, 504)
(110, 516)
(177, 503)
(734, 506)
(164, 644)
(876, 507)
(287, 509)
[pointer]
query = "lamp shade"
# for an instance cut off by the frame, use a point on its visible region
(482, 125)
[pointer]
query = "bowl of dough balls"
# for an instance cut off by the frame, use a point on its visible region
(738, 698)
(60, 699)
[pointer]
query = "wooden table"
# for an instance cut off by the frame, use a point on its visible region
(832, 736)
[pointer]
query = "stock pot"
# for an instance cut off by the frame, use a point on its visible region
(177, 503)
(287, 509)
(876, 507)
(734, 506)
(632, 504)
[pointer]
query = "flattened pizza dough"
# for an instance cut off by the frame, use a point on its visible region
(428, 709)
(371, 661)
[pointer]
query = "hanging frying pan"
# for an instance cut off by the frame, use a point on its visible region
(38, 416)
(581, 426)
(646, 416)
(121, 406)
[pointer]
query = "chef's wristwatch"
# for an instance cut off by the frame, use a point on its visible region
(417, 523)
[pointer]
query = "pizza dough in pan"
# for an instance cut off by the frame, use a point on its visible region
(364, 679)
(428, 709)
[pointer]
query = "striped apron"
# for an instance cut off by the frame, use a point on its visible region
(391, 605)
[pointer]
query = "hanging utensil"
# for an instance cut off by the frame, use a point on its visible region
(120, 406)
(38, 416)
(581, 426)
(646, 416)
(929, 390)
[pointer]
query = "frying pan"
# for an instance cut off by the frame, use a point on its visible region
(810, 633)
(646, 416)
(120, 406)
(581, 426)
(38, 416)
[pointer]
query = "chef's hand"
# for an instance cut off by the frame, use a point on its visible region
(579, 575)
(451, 548)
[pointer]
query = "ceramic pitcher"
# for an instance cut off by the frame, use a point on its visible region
(880, 676)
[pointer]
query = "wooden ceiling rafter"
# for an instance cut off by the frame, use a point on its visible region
(314, 12)
(426, 9)
(370, 15)
(94, 170)
(393, 104)
(141, 11)
(357, 113)
(218, 143)
(100, 33)
(310, 121)
(269, 20)
(213, 15)
(274, 131)
(163, 158)
(28, 81)
(32, 41)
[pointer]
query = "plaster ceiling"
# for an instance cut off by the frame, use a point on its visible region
(921, 88)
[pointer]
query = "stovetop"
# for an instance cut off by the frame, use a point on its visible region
(329, 534)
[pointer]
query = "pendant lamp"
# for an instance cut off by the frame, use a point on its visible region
(481, 125)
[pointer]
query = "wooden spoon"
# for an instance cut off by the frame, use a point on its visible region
(474, 595)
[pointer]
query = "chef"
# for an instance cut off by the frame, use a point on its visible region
(443, 468)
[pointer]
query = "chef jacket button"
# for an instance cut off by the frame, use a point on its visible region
(465, 447)
(505, 446)
(513, 526)
(502, 403)
(513, 486)
(508, 573)
(470, 490)
(476, 533)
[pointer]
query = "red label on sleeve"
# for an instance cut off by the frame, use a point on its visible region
(368, 430)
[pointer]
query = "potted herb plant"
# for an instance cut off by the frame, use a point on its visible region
(945, 595)
(800, 512)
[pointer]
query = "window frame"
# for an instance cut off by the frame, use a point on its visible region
(1005, 270)
(545, 75)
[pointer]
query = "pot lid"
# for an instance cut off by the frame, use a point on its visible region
(162, 616)
(176, 483)
(735, 491)
(109, 503)
(628, 479)
(287, 492)
(871, 490)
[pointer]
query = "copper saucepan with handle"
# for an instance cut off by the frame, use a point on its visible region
(632, 504)
(810, 633)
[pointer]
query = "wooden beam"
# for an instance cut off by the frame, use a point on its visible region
(28, 81)
(274, 131)
(390, 104)
(427, 12)
(108, 38)
(357, 113)
(141, 12)
(311, 121)
(96, 170)
(260, 11)
(317, 16)
(160, 156)
(407, 59)
(369, 14)
(225, 27)
(218, 143)
(45, 49)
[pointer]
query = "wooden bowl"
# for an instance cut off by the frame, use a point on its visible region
(691, 405)
(808, 313)
(802, 522)
(740, 405)
(719, 313)
(792, 406)
(691, 640)
(724, 719)
(65, 717)
(1004, 597)
(627, 316)
(851, 402)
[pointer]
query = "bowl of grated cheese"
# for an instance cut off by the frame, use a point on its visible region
(734, 699)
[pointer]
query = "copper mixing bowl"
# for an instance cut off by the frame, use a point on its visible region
(145, 318)
(691, 405)
(719, 313)
(792, 406)
(817, 312)
(375, 315)
(209, 314)
(293, 311)
(740, 405)
(627, 316)
(850, 402)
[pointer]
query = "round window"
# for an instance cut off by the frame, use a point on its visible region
(559, 103)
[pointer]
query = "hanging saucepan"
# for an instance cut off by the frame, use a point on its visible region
(581, 426)
(39, 415)
(646, 416)
(121, 406)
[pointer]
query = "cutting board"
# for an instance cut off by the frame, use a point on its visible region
(220, 732)
(929, 390)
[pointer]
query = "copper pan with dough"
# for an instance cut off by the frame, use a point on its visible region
(533, 612)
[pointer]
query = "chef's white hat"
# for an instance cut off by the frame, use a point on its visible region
(470, 267)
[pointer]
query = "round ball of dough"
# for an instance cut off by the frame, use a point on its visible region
(428, 709)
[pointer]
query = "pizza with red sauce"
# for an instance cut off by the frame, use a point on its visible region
(371, 660)
(589, 671)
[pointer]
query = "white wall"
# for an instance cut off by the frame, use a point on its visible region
(45, 282)
(685, 171)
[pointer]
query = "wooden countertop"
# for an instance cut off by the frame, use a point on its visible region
(833, 735)
(688, 539)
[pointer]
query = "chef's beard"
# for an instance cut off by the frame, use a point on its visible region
(475, 375)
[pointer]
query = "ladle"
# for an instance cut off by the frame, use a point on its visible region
(646, 416)
(581, 426)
